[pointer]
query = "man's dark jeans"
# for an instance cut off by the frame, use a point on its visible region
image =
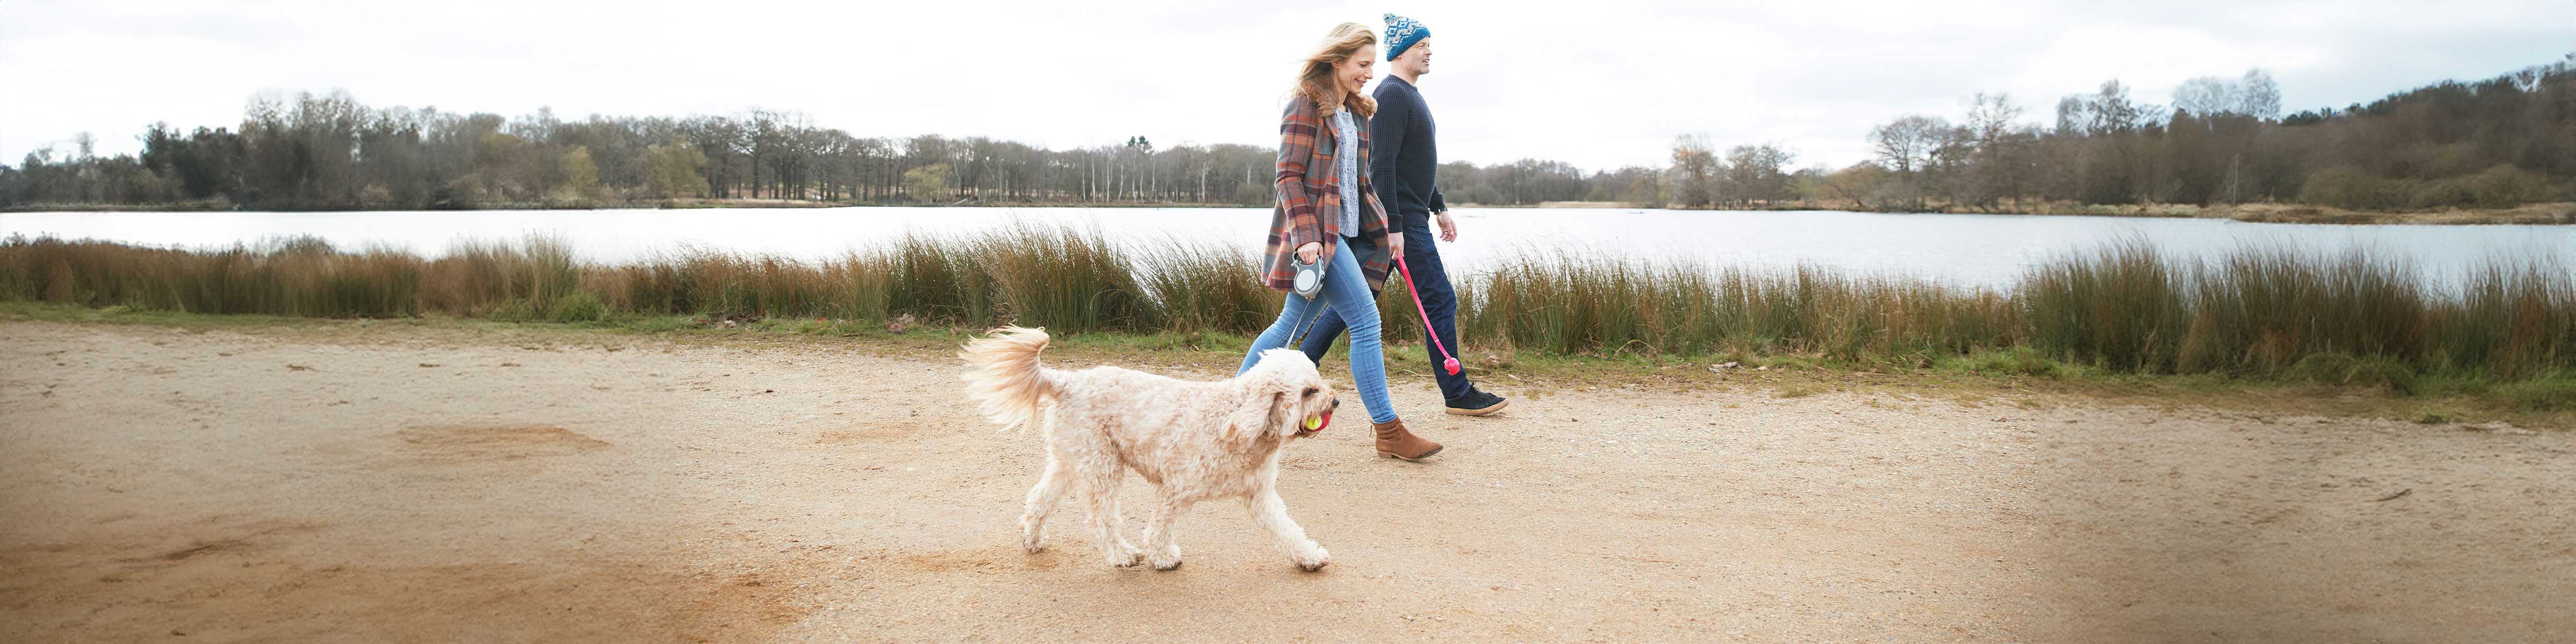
(1438, 300)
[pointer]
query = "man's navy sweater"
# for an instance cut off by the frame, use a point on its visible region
(1404, 157)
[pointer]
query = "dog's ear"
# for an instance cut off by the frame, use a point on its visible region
(1259, 416)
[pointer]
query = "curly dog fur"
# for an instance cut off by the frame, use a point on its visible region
(1194, 441)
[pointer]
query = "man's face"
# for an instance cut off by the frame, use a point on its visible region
(1417, 57)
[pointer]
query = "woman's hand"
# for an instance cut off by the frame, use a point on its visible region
(1448, 228)
(1395, 244)
(1307, 252)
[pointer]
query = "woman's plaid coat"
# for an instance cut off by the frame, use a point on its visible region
(1310, 198)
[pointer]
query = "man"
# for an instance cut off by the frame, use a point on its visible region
(1404, 166)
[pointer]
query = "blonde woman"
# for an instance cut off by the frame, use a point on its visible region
(1328, 214)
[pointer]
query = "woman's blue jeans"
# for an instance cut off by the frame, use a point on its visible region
(1346, 293)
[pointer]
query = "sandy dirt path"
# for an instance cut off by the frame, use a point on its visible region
(296, 484)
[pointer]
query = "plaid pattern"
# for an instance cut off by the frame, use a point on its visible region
(1307, 185)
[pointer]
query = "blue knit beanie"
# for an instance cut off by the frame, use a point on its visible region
(1401, 33)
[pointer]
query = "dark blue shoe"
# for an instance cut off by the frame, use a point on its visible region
(1477, 403)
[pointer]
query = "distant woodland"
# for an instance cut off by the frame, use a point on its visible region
(2499, 142)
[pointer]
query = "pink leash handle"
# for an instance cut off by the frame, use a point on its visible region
(1427, 331)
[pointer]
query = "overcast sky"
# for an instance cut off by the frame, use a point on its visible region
(1598, 83)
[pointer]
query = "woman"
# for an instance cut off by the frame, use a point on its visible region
(1327, 212)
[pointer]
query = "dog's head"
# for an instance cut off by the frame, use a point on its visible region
(1282, 396)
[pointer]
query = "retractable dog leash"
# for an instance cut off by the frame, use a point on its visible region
(1309, 283)
(1297, 337)
(1452, 363)
(1298, 333)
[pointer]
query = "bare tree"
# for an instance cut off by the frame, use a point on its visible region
(2074, 115)
(2258, 96)
(1997, 161)
(2208, 96)
(1694, 173)
(2113, 111)
(1906, 146)
(1991, 115)
(1757, 172)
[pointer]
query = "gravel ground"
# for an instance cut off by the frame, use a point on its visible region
(476, 485)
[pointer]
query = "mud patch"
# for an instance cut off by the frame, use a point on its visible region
(277, 584)
(199, 549)
(229, 540)
(501, 442)
(573, 601)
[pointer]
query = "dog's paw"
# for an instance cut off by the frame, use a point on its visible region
(1312, 559)
(1127, 557)
(1032, 537)
(1168, 559)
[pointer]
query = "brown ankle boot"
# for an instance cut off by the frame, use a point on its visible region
(1394, 442)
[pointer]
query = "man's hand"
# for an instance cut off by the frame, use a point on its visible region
(1395, 244)
(1448, 227)
(1306, 253)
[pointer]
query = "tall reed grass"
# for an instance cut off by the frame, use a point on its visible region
(1591, 305)
(2125, 307)
(2274, 310)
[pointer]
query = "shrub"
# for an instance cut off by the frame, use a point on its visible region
(2506, 186)
(2350, 188)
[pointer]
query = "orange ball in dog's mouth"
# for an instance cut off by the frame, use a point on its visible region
(1317, 423)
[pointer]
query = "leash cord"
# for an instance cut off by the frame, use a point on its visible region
(1297, 334)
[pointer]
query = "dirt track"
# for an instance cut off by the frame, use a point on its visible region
(438, 485)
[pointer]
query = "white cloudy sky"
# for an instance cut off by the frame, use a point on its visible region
(1598, 83)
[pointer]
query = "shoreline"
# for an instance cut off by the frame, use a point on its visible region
(2540, 214)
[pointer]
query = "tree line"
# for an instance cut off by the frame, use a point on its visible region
(2494, 143)
(330, 151)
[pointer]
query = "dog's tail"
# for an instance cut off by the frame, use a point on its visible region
(1004, 377)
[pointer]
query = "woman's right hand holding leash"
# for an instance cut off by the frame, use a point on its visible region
(1307, 252)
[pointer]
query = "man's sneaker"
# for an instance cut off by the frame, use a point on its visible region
(1477, 403)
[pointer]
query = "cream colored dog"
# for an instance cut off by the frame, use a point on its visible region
(1194, 441)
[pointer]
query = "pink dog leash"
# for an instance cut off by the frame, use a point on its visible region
(1452, 363)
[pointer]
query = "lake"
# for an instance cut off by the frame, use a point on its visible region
(1959, 250)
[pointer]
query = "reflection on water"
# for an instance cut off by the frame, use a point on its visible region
(1961, 250)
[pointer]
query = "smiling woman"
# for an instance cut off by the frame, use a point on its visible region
(1328, 223)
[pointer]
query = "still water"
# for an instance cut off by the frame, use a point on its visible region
(1959, 250)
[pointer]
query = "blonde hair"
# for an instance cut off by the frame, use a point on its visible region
(1315, 78)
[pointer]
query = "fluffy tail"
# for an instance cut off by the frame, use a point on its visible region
(1005, 379)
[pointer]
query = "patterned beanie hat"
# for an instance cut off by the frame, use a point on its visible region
(1401, 33)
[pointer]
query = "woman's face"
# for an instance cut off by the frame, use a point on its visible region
(1354, 72)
